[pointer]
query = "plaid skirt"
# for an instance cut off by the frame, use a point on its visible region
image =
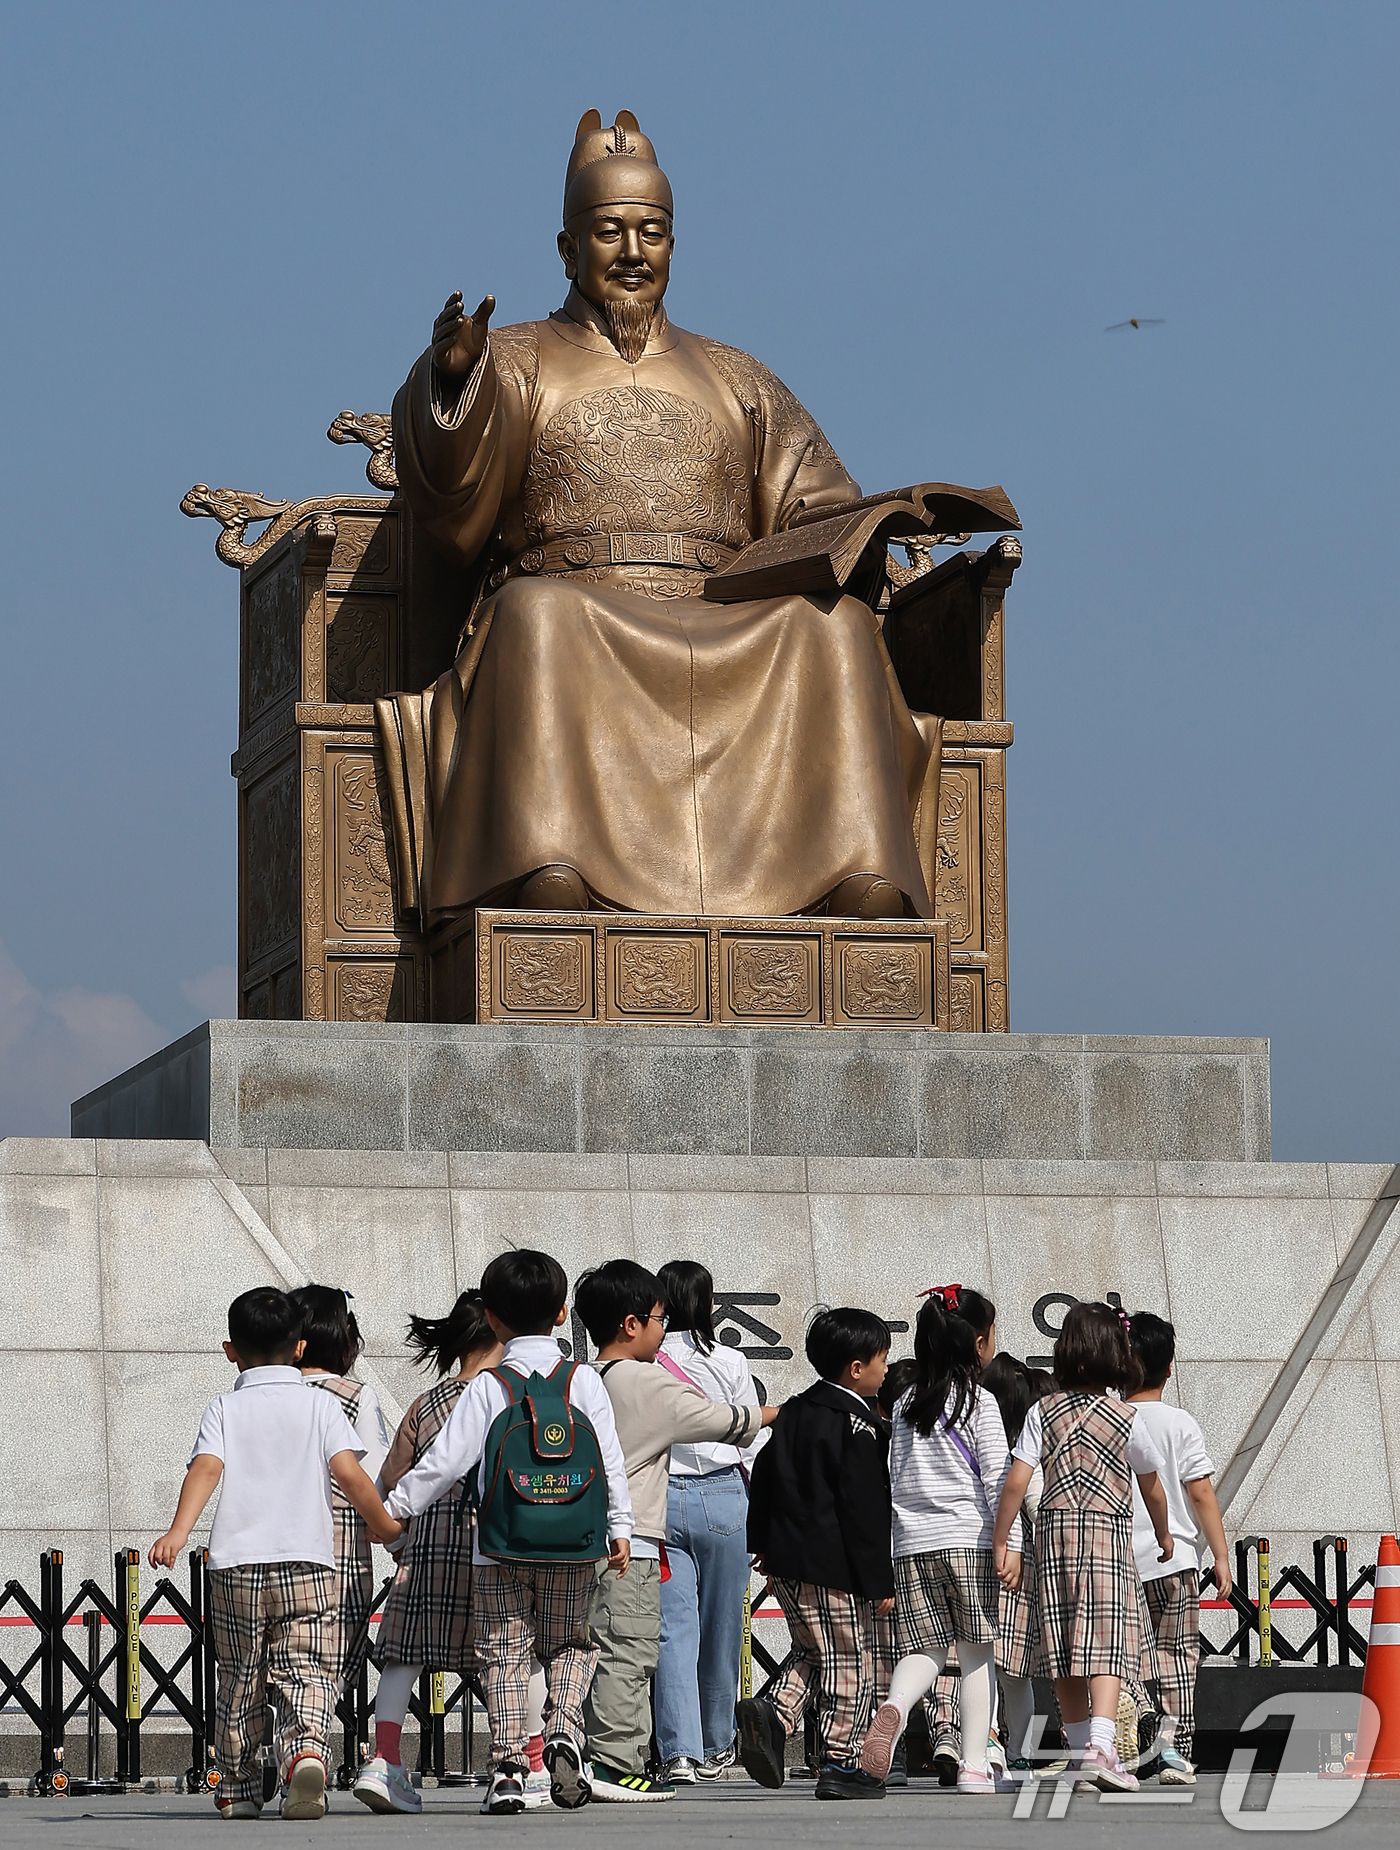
(1020, 1616)
(1093, 1621)
(428, 1610)
(347, 1640)
(946, 1594)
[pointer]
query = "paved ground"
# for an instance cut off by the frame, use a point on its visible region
(735, 1812)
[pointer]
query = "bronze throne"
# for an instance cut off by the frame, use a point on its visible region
(341, 604)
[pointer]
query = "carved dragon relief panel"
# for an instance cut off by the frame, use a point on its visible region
(958, 887)
(368, 990)
(364, 895)
(772, 978)
(359, 656)
(544, 972)
(271, 638)
(658, 976)
(883, 981)
(363, 547)
(271, 864)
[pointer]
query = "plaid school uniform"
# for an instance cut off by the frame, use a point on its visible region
(348, 1640)
(539, 1609)
(273, 1623)
(946, 1594)
(1092, 1619)
(837, 1645)
(1019, 1614)
(427, 1615)
(1174, 1612)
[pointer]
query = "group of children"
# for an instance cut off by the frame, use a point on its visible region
(955, 1505)
(947, 1507)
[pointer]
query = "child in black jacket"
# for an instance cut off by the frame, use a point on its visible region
(819, 1527)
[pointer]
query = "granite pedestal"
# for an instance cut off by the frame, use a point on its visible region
(676, 1090)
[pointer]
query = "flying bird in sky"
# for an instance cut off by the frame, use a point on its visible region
(1137, 321)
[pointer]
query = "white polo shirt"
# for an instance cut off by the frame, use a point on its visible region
(276, 1438)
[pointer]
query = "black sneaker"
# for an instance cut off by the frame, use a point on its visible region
(946, 1759)
(762, 1741)
(627, 1788)
(569, 1784)
(898, 1774)
(505, 1796)
(848, 1782)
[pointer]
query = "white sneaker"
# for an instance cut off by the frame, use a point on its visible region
(304, 1798)
(537, 1787)
(506, 1793)
(383, 1787)
(570, 1783)
(682, 1771)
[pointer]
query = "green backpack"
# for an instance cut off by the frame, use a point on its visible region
(545, 1495)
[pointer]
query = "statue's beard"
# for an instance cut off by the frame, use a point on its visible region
(630, 321)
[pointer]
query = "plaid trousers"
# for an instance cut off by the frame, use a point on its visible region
(838, 1643)
(1174, 1606)
(274, 1624)
(540, 1607)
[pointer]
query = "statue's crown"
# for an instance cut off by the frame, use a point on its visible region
(613, 166)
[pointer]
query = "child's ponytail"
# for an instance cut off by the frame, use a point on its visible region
(444, 1341)
(945, 1355)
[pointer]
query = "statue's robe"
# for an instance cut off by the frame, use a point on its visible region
(683, 756)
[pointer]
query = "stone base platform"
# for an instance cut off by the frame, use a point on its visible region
(736, 1091)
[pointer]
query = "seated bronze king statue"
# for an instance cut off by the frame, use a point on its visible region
(608, 737)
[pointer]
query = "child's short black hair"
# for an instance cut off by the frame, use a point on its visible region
(263, 1325)
(1153, 1342)
(608, 1295)
(526, 1290)
(836, 1338)
(1091, 1350)
(328, 1328)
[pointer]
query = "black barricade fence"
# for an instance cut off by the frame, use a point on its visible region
(62, 1658)
(89, 1661)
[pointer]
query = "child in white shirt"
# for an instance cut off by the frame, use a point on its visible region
(526, 1608)
(275, 1447)
(1172, 1588)
(948, 1461)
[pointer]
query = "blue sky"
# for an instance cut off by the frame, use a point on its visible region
(222, 225)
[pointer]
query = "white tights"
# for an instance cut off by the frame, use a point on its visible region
(914, 1677)
(397, 1683)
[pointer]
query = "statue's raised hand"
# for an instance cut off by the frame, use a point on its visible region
(457, 342)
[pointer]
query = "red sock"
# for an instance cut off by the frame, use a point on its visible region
(535, 1753)
(387, 1742)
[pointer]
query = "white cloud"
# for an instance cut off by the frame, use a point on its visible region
(55, 1048)
(215, 994)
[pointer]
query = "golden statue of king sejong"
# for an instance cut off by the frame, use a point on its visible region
(607, 737)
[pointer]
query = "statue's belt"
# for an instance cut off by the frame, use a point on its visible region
(606, 549)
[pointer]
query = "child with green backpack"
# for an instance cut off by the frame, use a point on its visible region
(537, 1436)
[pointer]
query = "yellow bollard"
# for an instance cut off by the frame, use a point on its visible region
(133, 1636)
(439, 1692)
(746, 1649)
(1266, 1624)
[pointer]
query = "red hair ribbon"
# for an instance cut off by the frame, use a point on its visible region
(948, 1293)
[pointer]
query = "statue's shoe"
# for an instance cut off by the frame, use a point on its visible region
(553, 889)
(866, 896)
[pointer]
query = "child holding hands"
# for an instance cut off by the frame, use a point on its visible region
(276, 1448)
(1092, 1630)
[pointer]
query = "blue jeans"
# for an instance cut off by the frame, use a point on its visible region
(702, 1614)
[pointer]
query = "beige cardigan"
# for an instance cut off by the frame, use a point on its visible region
(653, 1412)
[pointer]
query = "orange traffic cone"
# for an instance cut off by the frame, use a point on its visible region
(1378, 1740)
